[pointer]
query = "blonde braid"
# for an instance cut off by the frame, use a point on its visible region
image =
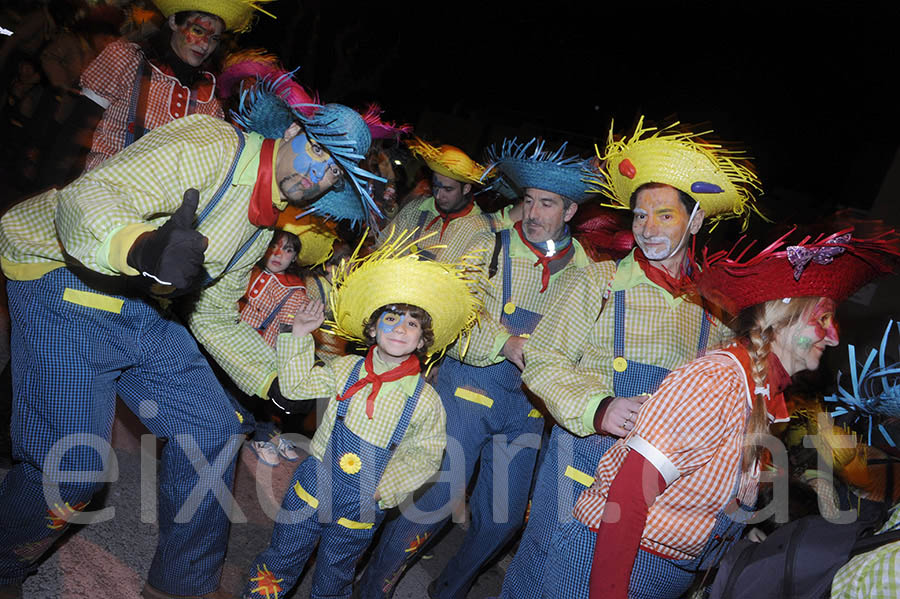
(757, 424)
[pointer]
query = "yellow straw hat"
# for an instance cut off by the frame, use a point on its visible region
(447, 160)
(722, 181)
(393, 275)
(317, 235)
(235, 13)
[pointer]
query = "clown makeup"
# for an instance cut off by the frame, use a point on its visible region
(280, 255)
(398, 336)
(197, 38)
(313, 171)
(662, 226)
(389, 321)
(800, 344)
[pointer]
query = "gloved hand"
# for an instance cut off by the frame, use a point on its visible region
(289, 406)
(170, 259)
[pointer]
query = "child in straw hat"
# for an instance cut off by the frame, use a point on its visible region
(383, 435)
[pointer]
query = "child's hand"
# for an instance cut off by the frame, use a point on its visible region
(308, 318)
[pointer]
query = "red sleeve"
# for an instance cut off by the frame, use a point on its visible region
(618, 539)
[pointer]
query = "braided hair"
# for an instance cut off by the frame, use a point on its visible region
(758, 325)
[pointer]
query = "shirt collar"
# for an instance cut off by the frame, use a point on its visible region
(407, 383)
(245, 172)
(629, 274)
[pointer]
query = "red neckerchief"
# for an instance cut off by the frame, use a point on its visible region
(262, 212)
(777, 379)
(680, 286)
(409, 366)
(543, 260)
(448, 216)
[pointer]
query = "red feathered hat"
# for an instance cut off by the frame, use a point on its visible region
(833, 266)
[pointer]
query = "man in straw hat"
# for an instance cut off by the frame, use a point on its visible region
(489, 419)
(187, 208)
(619, 328)
(135, 88)
(383, 433)
(453, 176)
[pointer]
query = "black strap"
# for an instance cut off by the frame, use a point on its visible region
(866, 544)
(737, 568)
(495, 257)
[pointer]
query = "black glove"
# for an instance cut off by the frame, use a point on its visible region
(289, 406)
(170, 259)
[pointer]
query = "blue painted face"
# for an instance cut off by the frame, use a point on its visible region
(311, 160)
(390, 321)
(314, 171)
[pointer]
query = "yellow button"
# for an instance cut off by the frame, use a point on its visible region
(509, 307)
(620, 364)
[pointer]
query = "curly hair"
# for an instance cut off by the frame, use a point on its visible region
(416, 312)
(758, 325)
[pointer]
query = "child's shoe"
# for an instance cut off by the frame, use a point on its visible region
(266, 452)
(287, 449)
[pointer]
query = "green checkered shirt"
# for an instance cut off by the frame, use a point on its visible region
(874, 574)
(408, 220)
(485, 343)
(97, 218)
(569, 359)
(416, 458)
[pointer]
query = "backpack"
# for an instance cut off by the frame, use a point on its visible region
(798, 560)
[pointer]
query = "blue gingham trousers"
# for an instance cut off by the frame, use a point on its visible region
(73, 349)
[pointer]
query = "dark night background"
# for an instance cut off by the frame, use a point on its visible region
(803, 86)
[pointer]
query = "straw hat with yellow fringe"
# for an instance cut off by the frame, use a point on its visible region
(317, 235)
(447, 160)
(722, 181)
(235, 13)
(393, 275)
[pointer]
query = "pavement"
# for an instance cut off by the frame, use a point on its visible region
(110, 559)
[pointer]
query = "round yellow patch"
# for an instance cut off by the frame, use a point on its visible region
(509, 307)
(350, 463)
(620, 364)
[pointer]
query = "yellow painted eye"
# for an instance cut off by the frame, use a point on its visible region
(316, 152)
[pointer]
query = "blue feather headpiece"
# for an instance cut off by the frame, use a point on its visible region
(338, 129)
(874, 390)
(529, 165)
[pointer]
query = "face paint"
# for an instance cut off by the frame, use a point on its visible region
(311, 171)
(197, 39)
(390, 321)
(803, 342)
(822, 320)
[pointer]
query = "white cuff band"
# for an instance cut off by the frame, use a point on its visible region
(95, 98)
(665, 466)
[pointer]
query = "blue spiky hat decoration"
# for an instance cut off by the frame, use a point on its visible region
(530, 165)
(340, 130)
(874, 390)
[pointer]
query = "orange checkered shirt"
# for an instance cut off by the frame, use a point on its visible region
(265, 292)
(692, 430)
(110, 82)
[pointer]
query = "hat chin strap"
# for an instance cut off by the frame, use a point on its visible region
(684, 237)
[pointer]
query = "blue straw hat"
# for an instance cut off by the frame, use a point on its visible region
(337, 128)
(526, 166)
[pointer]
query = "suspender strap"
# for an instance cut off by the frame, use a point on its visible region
(421, 224)
(226, 183)
(507, 266)
(321, 288)
(265, 324)
(619, 323)
(343, 406)
(406, 417)
(704, 334)
(495, 256)
(137, 105)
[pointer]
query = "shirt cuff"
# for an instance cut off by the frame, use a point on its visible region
(497, 347)
(113, 253)
(665, 466)
(263, 390)
(95, 98)
(587, 418)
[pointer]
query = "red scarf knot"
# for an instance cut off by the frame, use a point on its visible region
(542, 260)
(448, 216)
(409, 366)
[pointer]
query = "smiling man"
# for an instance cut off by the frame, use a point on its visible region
(489, 419)
(620, 327)
(134, 88)
(188, 208)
